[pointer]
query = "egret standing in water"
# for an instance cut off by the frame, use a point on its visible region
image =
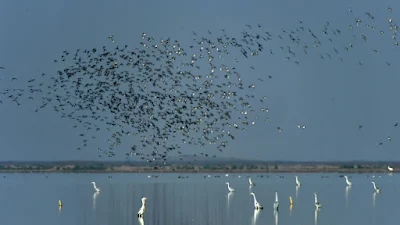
(251, 182)
(377, 190)
(390, 168)
(143, 208)
(257, 205)
(347, 181)
(229, 188)
(276, 203)
(297, 181)
(95, 188)
(317, 204)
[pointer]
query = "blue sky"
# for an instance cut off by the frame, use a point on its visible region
(332, 98)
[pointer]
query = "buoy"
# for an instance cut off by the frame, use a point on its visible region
(291, 200)
(59, 203)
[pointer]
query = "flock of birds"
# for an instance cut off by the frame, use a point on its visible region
(164, 95)
(257, 205)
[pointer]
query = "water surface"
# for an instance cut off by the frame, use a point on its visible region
(198, 199)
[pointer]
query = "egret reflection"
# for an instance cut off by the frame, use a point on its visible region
(94, 200)
(290, 209)
(229, 198)
(316, 211)
(276, 216)
(297, 191)
(348, 188)
(141, 220)
(374, 199)
(255, 215)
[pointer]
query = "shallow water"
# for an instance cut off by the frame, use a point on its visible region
(32, 199)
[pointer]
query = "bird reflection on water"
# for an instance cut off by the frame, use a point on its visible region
(276, 216)
(316, 211)
(374, 199)
(94, 200)
(141, 220)
(230, 194)
(348, 188)
(255, 216)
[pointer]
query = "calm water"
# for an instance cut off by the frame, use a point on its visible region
(32, 199)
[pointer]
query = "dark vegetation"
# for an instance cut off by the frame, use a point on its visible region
(221, 165)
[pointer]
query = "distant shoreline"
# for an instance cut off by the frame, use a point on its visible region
(150, 170)
(227, 166)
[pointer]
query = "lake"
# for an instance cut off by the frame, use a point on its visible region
(197, 199)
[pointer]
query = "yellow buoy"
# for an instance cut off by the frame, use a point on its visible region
(291, 200)
(59, 203)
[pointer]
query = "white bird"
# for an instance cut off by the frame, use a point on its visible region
(317, 204)
(257, 205)
(297, 181)
(143, 208)
(276, 203)
(251, 182)
(347, 181)
(390, 168)
(377, 190)
(95, 188)
(229, 188)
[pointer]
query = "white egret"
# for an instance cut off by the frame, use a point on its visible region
(251, 182)
(276, 203)
(347, 181)
(377, 190)
(390, 168)
(95, 188)
(297, 181)
(257, 205)
(229, 188)
(317, 204)
(143, 208)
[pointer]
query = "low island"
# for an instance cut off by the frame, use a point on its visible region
(230, 165)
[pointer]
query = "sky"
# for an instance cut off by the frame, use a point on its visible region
(330, 97)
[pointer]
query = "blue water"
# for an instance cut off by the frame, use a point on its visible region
(33, 199)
